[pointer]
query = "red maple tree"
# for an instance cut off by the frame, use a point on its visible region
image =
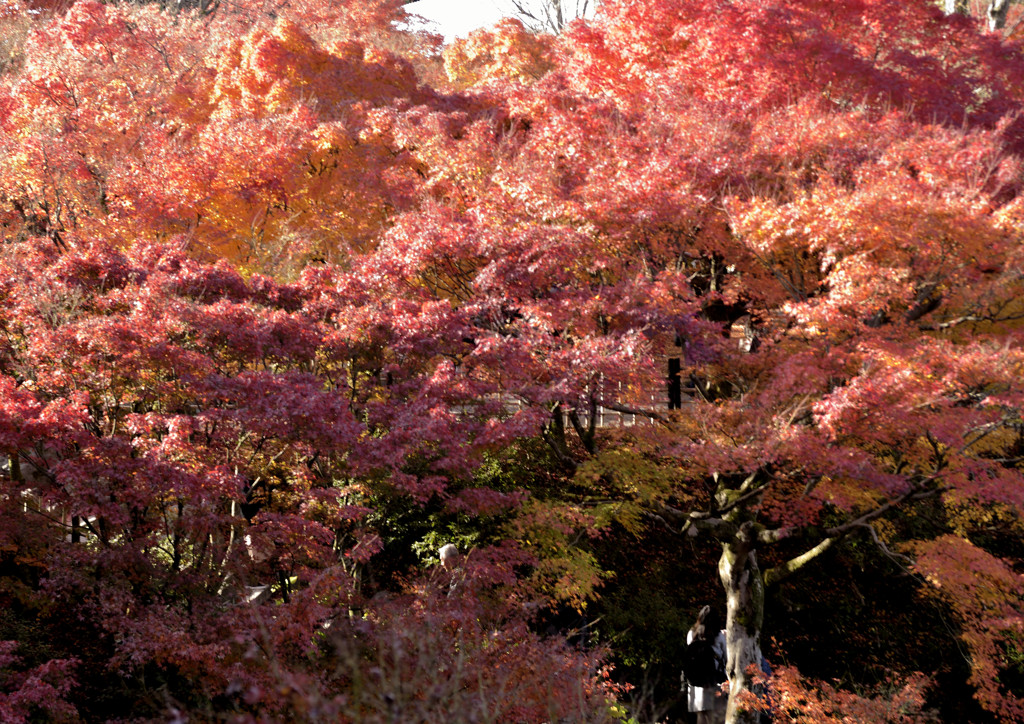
(835, 185)
(808, 212)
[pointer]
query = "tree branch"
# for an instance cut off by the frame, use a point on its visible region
(915, 493)
(834, 534)
(784, 570)
(695, 521)
(751, 493)
(925, 306)
(899, 557)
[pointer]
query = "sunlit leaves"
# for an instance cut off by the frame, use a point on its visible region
(505, 52)
(808, 210)
(130, 122)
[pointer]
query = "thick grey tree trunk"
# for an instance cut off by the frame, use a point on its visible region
(744, 596)
(996, 13)
(956, 6)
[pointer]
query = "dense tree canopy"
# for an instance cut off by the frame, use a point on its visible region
(292, 296)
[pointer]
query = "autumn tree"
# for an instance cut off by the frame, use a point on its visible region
(192, 460)
(551, 16)
(505, 52)
(808, 211)
(817, 201)
(995, 14)
(141, 122)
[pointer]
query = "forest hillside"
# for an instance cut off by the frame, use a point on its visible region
(346, 376)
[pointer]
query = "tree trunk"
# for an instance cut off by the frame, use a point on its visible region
(744, 596)
(997, 10)
(956, 6)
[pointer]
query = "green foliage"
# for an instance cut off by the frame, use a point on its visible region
(1012, 673)
(627, 483)
(556, 535)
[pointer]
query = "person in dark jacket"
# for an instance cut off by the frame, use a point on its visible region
(707, 701)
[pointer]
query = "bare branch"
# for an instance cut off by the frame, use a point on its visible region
(898, 557)
(696, 521)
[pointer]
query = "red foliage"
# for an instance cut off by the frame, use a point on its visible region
(197, 435)
(986, 596)
(819, 703)
(813, 206)
(43, 690)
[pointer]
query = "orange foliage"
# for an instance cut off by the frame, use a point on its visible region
(799, 701)
(505, 52)
(250, 144)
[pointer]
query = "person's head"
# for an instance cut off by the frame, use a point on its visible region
(709, 623)
(449, 555)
